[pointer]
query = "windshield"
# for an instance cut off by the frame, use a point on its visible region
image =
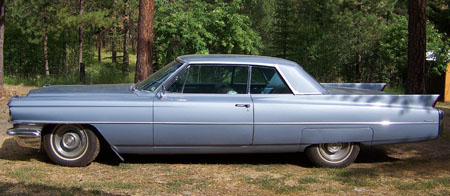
(152, 82)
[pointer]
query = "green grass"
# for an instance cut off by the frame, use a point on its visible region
(354, 176)
(27, 174)
(123, 166)
(278, 185)
(308, 180)
(394, 89)
(423, 184)
(183, 184)
(109, 185)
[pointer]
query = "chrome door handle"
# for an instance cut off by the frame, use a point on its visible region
(242, 105)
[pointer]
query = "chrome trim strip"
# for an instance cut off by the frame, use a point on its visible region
(25, 132)
(227, 123)
(344, 123)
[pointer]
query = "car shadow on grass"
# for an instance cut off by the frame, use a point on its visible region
(374, 154)
(10, 150)
(367, 155)
(7, 188)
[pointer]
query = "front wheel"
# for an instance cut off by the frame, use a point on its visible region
(333, 155)
(71, 145)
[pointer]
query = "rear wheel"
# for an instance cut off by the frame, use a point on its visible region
(333, 155)
(71, 145)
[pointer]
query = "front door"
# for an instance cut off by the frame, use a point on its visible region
(208, 105)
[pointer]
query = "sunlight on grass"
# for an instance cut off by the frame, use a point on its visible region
(354, 176)
(109, 185)
(189, 184)
(308, 180)
(278, 185)
(27, 174)
(423, 184)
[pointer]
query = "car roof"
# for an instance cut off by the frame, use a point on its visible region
(235, 59)
(297, 79)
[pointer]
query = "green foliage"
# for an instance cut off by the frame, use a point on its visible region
(198, 27)
(335, 41)
(26, 21)
(393, 51)
(349, 40)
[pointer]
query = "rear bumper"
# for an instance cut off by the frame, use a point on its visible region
(27, 135)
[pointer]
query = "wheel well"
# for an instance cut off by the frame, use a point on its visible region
(311, 145)
(103, 143)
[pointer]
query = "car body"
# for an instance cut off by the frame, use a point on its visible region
(221, 104)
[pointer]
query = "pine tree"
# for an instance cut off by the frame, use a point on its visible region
(144, 64)
(416, 47)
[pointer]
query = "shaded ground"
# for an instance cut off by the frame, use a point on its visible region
(406, 169)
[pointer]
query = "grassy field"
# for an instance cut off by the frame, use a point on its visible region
(406, 169)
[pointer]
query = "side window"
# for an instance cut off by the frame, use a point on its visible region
(267, 81)
(178, 84)
(212, 79)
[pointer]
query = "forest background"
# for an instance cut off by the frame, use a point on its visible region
(334, 41)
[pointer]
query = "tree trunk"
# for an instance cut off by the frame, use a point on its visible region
(47, 72)
(133, 45)
(358, 67)
(145, 40)
(99, 48)
(64, 58)
(113, 49)
(416, 47)
(80, 39)
(2, 34)
(126, 38)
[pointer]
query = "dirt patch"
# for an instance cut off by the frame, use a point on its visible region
(405, 169)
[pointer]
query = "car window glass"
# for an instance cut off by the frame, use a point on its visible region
(152, 82)
(267, 81)
(216, 79)
(178, 84)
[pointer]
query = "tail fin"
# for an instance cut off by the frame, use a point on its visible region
(367, 86)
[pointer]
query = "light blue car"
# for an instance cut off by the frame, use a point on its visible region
(221, 104)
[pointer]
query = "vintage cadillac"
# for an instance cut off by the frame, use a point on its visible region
(221, 104)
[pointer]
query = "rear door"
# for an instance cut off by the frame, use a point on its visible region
(275, 109)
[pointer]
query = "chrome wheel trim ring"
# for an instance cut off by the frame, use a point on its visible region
(335, 152)
(69, 142)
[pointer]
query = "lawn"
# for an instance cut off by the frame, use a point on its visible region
(404, 169)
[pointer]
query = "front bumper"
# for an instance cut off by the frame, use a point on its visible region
(27, 135)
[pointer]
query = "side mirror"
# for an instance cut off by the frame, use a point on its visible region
(161, 93)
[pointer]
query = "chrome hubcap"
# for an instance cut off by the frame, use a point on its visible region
(69, 142)
(335, 152)
(334, 148)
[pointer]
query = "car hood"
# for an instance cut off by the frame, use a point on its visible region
(82, 90)
(351, 91)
